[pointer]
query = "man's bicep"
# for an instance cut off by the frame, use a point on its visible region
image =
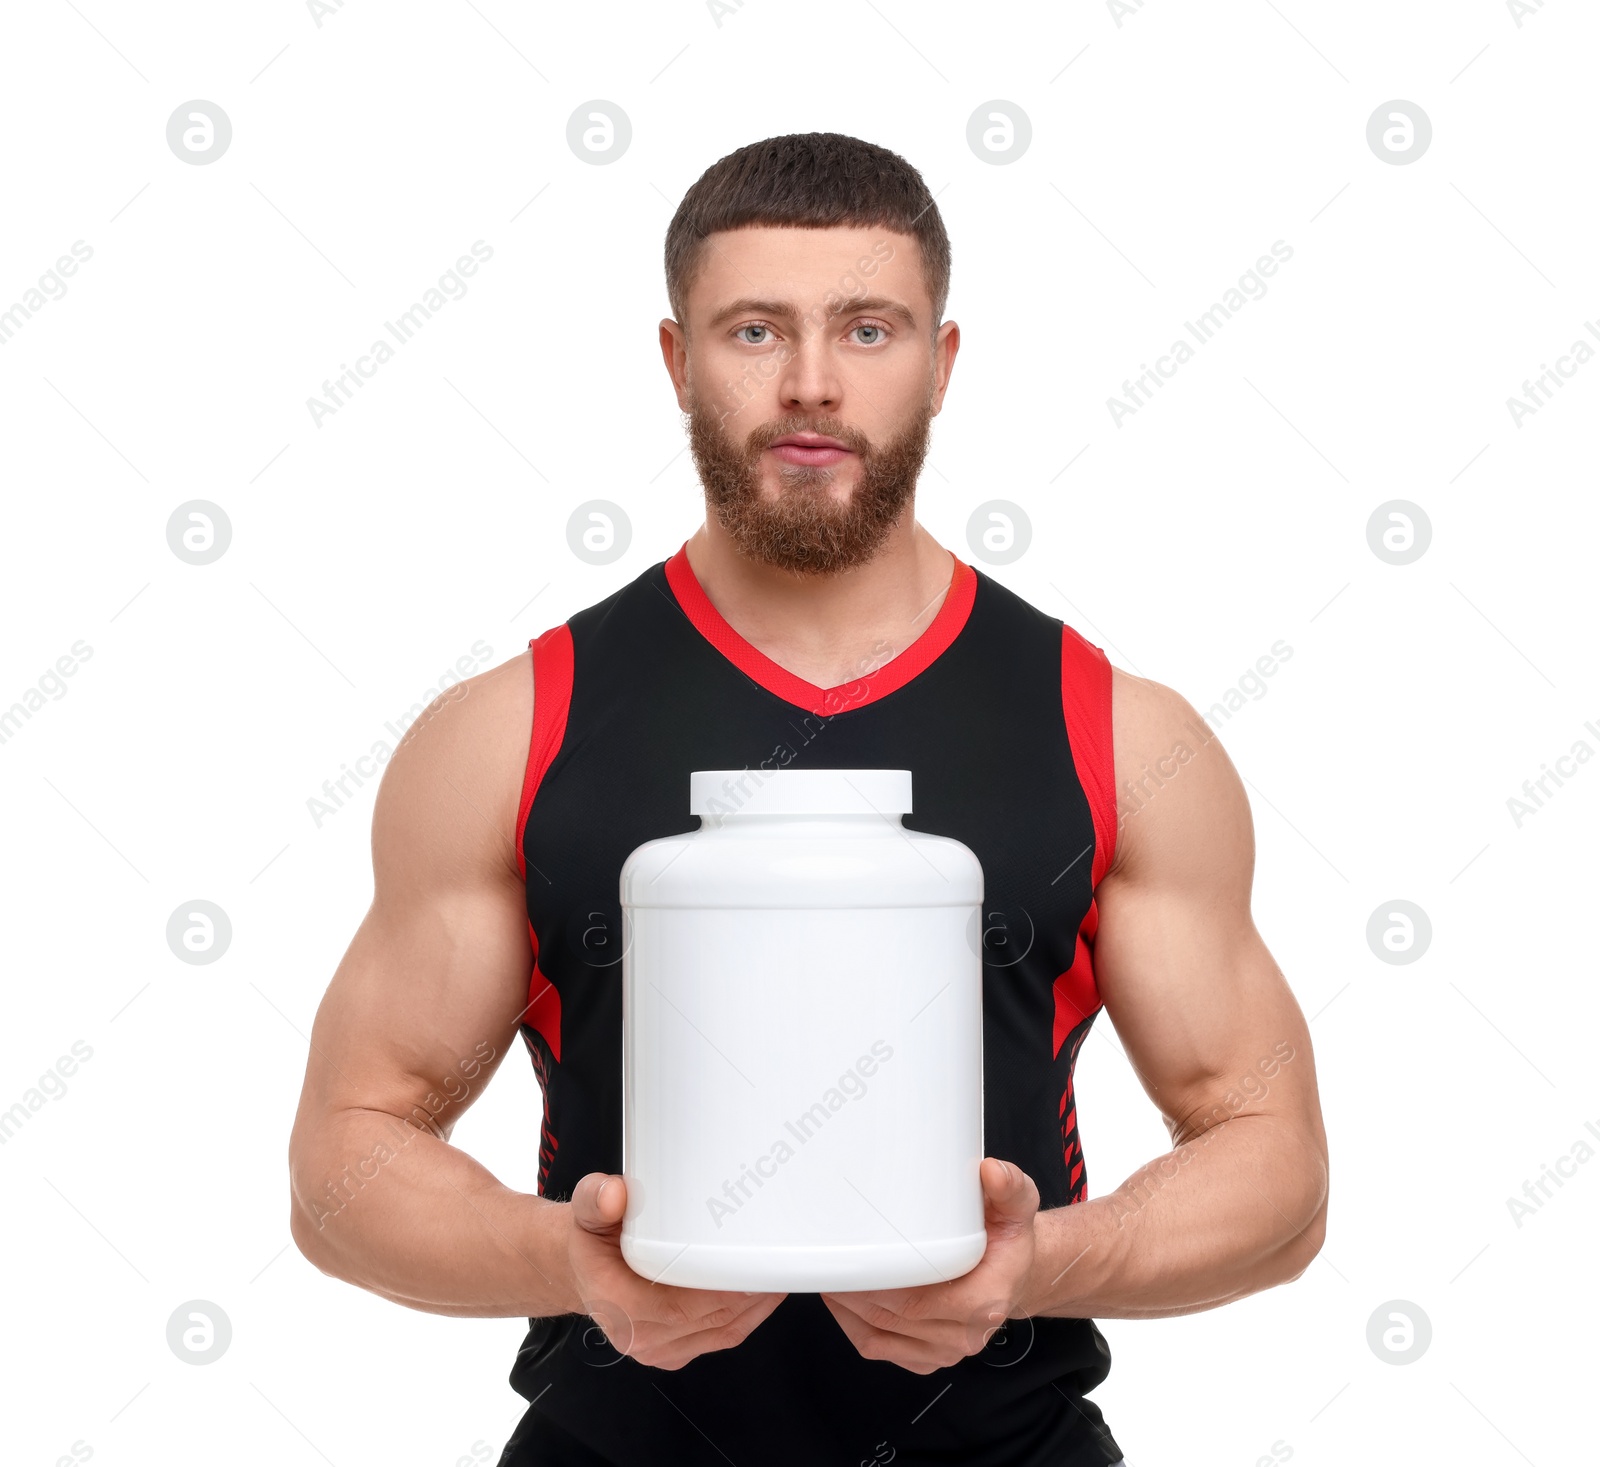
(427, 998)
(422, 1009)
(1208, 1021)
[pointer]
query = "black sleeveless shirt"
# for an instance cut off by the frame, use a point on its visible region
(1003, 715)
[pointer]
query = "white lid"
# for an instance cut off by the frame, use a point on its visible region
(800, 792)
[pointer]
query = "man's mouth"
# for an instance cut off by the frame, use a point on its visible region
(812, 450)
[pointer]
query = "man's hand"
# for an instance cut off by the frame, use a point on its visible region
(927, 1328)
(656, 1324)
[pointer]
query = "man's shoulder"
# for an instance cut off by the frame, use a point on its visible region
(455, 777)
(457, 774)
(1145, 710)
(1172, 775)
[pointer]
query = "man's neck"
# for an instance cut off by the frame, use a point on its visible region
(830, 629)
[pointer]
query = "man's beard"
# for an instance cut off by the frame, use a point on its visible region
(805, 530)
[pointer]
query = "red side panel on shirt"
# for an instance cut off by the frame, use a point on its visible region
(1086, 706)
(552, 697)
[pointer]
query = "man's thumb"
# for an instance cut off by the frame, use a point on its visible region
(1009, 1193)
(598, 1202)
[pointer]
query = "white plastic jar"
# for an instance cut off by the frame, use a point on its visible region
(802, 1040)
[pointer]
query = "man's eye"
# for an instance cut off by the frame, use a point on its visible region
(747, 340)
(867, 326)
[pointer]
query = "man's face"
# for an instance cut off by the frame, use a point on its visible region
(810, 373)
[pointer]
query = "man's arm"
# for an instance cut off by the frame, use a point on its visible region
(420, 1012)
(1220, 1046)
(1215, 1037)
(423, 1008)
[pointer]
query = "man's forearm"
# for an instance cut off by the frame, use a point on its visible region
(1236, 1209)
(396, 1210)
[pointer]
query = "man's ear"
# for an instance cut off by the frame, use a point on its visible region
(675, 353)
(946, 343)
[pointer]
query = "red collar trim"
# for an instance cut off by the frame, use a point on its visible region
(756, 665)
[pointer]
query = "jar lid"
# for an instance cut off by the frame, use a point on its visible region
(800, 792)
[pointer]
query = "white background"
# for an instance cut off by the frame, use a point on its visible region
(368, 554)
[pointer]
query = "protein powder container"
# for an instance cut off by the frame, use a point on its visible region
(802, 1020)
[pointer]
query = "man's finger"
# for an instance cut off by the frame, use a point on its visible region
(674, 1307)
(878, 1344)
(598, 1202)
(1010, 1197)
(726, 1335)
(881, 1309)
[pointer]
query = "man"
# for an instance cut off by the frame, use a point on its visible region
(811, 622)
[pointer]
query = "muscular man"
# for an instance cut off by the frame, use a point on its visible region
(811, 622)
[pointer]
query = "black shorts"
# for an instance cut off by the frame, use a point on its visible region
(539, 1442)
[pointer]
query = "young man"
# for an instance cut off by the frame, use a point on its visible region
(811, 622)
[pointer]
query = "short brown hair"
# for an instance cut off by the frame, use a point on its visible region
(808, 180)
